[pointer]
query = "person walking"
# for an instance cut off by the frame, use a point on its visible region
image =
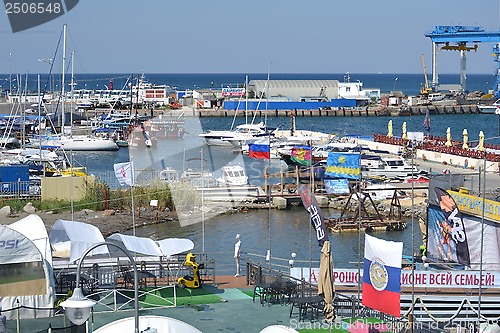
(237, 247)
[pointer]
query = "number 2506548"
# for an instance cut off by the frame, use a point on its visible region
(33, 7)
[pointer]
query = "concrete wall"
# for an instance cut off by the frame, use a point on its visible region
(252, 105)
(66, 188)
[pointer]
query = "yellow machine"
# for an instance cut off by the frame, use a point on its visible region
(425, 89)
(191, 281)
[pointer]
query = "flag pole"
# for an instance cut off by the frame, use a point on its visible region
(132, 195)
(359, 232)
(202, 205)
(269, 193)
(482, 244)
(412, 239)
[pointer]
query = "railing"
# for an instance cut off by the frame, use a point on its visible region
(20, 190)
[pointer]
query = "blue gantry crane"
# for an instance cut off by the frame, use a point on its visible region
(463, 39)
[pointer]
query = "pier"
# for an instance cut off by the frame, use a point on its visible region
(344, 112)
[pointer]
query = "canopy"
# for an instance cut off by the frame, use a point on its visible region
(148, 323)
(75, 238)
(26, 255)
(171, 246)
(278, 329)
(147, 246)
(141, 245)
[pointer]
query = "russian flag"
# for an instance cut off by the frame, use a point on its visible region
(382, 275)
(257, 150)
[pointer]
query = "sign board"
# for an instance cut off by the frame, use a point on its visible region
(231, 92)
(337, 186)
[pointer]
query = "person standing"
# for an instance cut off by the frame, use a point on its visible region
(237, 247)
(3, 322)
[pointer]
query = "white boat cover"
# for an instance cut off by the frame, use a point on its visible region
(278, 329)
(149, 324)
(26, 266)
(136, 244)
(147, 246)
(172, 246)
(76, 237)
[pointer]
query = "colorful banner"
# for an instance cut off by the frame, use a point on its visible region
(123, 172)
(448, 231)
(301, 155)
(256, 150)
(343, 165)
(474, 205)
(442, 279)
(311, 205)
(382, 275)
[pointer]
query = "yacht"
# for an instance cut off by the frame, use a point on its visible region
(236, 137)
(75, 143)
(390, 166)
(233, 175)
(490, 108)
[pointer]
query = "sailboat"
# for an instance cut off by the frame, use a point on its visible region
(82, 142)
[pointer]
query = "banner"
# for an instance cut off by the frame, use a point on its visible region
(382, 275)
(311, 205)
(301, 155)
(256, 150)
(123, 172)
(336, 186)
(427, 121)
(441, 279)
(448, 230)
(343, 165)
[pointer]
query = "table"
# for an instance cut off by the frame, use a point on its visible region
(305, 303)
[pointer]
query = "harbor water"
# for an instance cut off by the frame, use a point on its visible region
(283, 231)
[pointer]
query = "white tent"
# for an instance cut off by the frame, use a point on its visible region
(147, 246)
(71, 238)
(149, 324)
(136, 244)
(278, 329)
(171, 246)
(26, 269)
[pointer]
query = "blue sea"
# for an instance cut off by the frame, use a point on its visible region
(410, 84)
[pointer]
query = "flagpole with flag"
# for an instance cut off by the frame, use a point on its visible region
(124, 173)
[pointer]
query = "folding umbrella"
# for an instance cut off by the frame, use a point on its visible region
(325, 282)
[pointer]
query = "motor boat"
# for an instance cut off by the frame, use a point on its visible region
(233, 175)
(490, 108)
(236, 137)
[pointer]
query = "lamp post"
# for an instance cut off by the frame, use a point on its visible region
(10, 74)
(395, 85)
(51, 78)
(291, 262)
(77, 307)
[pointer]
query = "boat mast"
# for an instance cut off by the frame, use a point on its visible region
(63, 116)
(72, 91)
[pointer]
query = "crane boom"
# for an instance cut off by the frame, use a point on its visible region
(426, 89)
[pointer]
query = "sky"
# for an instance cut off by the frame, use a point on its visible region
(227, 36)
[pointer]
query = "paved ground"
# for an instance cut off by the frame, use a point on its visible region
(235, 313)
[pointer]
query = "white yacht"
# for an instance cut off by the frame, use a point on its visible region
(233, 175)
(390, 166)
(75, 143)
(236, 137)
(490, 108)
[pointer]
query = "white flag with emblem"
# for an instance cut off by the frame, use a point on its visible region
(123, 172)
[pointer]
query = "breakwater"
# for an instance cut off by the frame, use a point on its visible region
(352, 112)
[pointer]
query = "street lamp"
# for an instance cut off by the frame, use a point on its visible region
(50, 62)
(291, 262)
(78, 307)
(395, 85)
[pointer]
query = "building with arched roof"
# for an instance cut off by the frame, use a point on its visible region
(296, 90)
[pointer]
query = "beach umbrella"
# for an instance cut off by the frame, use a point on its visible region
(404, 131)
(466, 138)
(448, 137)
(480, 146)
(326, 288)
(389, 129)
